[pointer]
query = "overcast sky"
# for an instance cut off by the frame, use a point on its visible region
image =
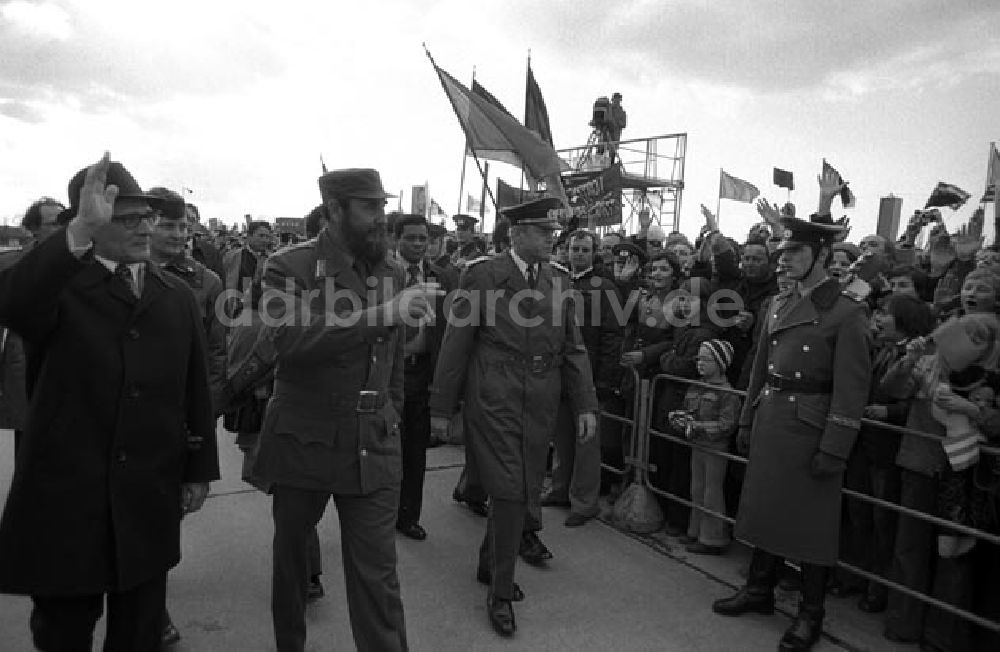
(236, 100)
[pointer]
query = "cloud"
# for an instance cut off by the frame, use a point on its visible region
(762, 46)
(21, 111)
(104, 54)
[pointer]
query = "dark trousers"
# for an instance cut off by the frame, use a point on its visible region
(416, 429)
(368, 546)
(500, 546)
(917, 566)
(868, 533)
(673, 474)
(763, 577)
(66, 624)
(576, 467)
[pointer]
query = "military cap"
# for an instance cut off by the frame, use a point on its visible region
(436, 231)
(463, 221)
(627, 249)
(128, 187)
(353, 183)
(819, 230)
(535, 212)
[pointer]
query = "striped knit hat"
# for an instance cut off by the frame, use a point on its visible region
(722, 351)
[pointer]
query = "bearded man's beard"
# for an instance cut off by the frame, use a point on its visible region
(369, 244)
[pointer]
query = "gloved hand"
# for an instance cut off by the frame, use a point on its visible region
(825, 465)
(743, 441)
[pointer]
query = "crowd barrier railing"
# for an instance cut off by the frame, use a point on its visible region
(644, 430)
(629, 457)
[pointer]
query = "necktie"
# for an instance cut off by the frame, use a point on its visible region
(530, 275)
(412, 278)
(123, 272)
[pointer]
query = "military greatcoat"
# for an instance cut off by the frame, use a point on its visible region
(510, 353)
(807, 392)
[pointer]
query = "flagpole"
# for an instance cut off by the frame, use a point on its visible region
(718, 204)
(482, 200)
(526, 72)
(465, 153)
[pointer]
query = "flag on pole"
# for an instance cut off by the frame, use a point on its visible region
(783, 179)
(322, 164)
(536, 116)
(473, 205)
(992, 175)
(481, 91)
(947, 194)
(736, 189)
(494, 134)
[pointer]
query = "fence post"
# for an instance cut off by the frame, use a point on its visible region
(639, 433)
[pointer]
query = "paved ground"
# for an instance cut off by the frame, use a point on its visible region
(603, 591)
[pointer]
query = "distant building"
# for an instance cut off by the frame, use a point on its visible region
(889, 210)
(294, 225)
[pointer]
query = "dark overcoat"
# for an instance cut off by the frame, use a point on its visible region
(822, 338)
(325, 354)
(118, 391)
(509, 353)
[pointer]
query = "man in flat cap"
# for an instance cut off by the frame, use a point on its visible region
(805, 399)
(120, 437)
(332, 423)
(511, 357)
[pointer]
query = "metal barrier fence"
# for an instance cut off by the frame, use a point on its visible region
(638, 463)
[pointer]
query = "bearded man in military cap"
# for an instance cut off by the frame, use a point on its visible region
(805, 399)
(511, 357)
(332, 423)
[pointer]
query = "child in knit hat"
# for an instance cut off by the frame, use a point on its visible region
(709, 419)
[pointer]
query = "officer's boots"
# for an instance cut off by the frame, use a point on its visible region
(758, 594)
(808, 624)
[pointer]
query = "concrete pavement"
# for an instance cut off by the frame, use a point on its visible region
(603, 591)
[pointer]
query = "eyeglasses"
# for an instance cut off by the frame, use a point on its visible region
(132, 221)
(173, 226)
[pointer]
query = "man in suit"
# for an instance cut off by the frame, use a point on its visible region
(120, 440)
(420, 353)
(332, 423)
(512, 355)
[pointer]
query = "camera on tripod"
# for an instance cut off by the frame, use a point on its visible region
(601, 115)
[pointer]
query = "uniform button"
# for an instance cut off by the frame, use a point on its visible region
(798, 374)
(770, 367)
(122, 457)
(364, 452)
(774, 316)
(805, 347)
(133, 334)
(379, 339)
(774, 342)
(133, 392)
(791, 399)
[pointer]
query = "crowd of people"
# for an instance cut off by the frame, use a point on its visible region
(339, 359)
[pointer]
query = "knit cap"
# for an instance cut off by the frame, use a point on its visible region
(722, 351)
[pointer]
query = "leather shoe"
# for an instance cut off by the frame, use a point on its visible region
(873, 604)
(533, 551)
(170, 634)
(315, 589)
(803, 633)
(412, 530)
(483, 576)
(501, 615)
(478, 507)
(550, 501)
(576, 520)
(745, 602)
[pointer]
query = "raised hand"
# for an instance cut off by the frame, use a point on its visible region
(711, 221)
(966, 244)
(830, 185)
(769, 213)
(96, 202)
(414, 304)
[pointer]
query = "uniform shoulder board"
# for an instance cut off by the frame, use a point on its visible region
(559, 267)
(475, 261)
(857, 290)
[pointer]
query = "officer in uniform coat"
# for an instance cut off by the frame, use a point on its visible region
(332, 424)
(512, 354)
(469, 246)
(807, 392)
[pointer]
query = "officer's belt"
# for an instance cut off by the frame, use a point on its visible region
(536, 364)
(306, 396)
(799, 385)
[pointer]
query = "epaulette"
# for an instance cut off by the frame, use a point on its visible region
(558, 266)
(475, 261)
(857, 290)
